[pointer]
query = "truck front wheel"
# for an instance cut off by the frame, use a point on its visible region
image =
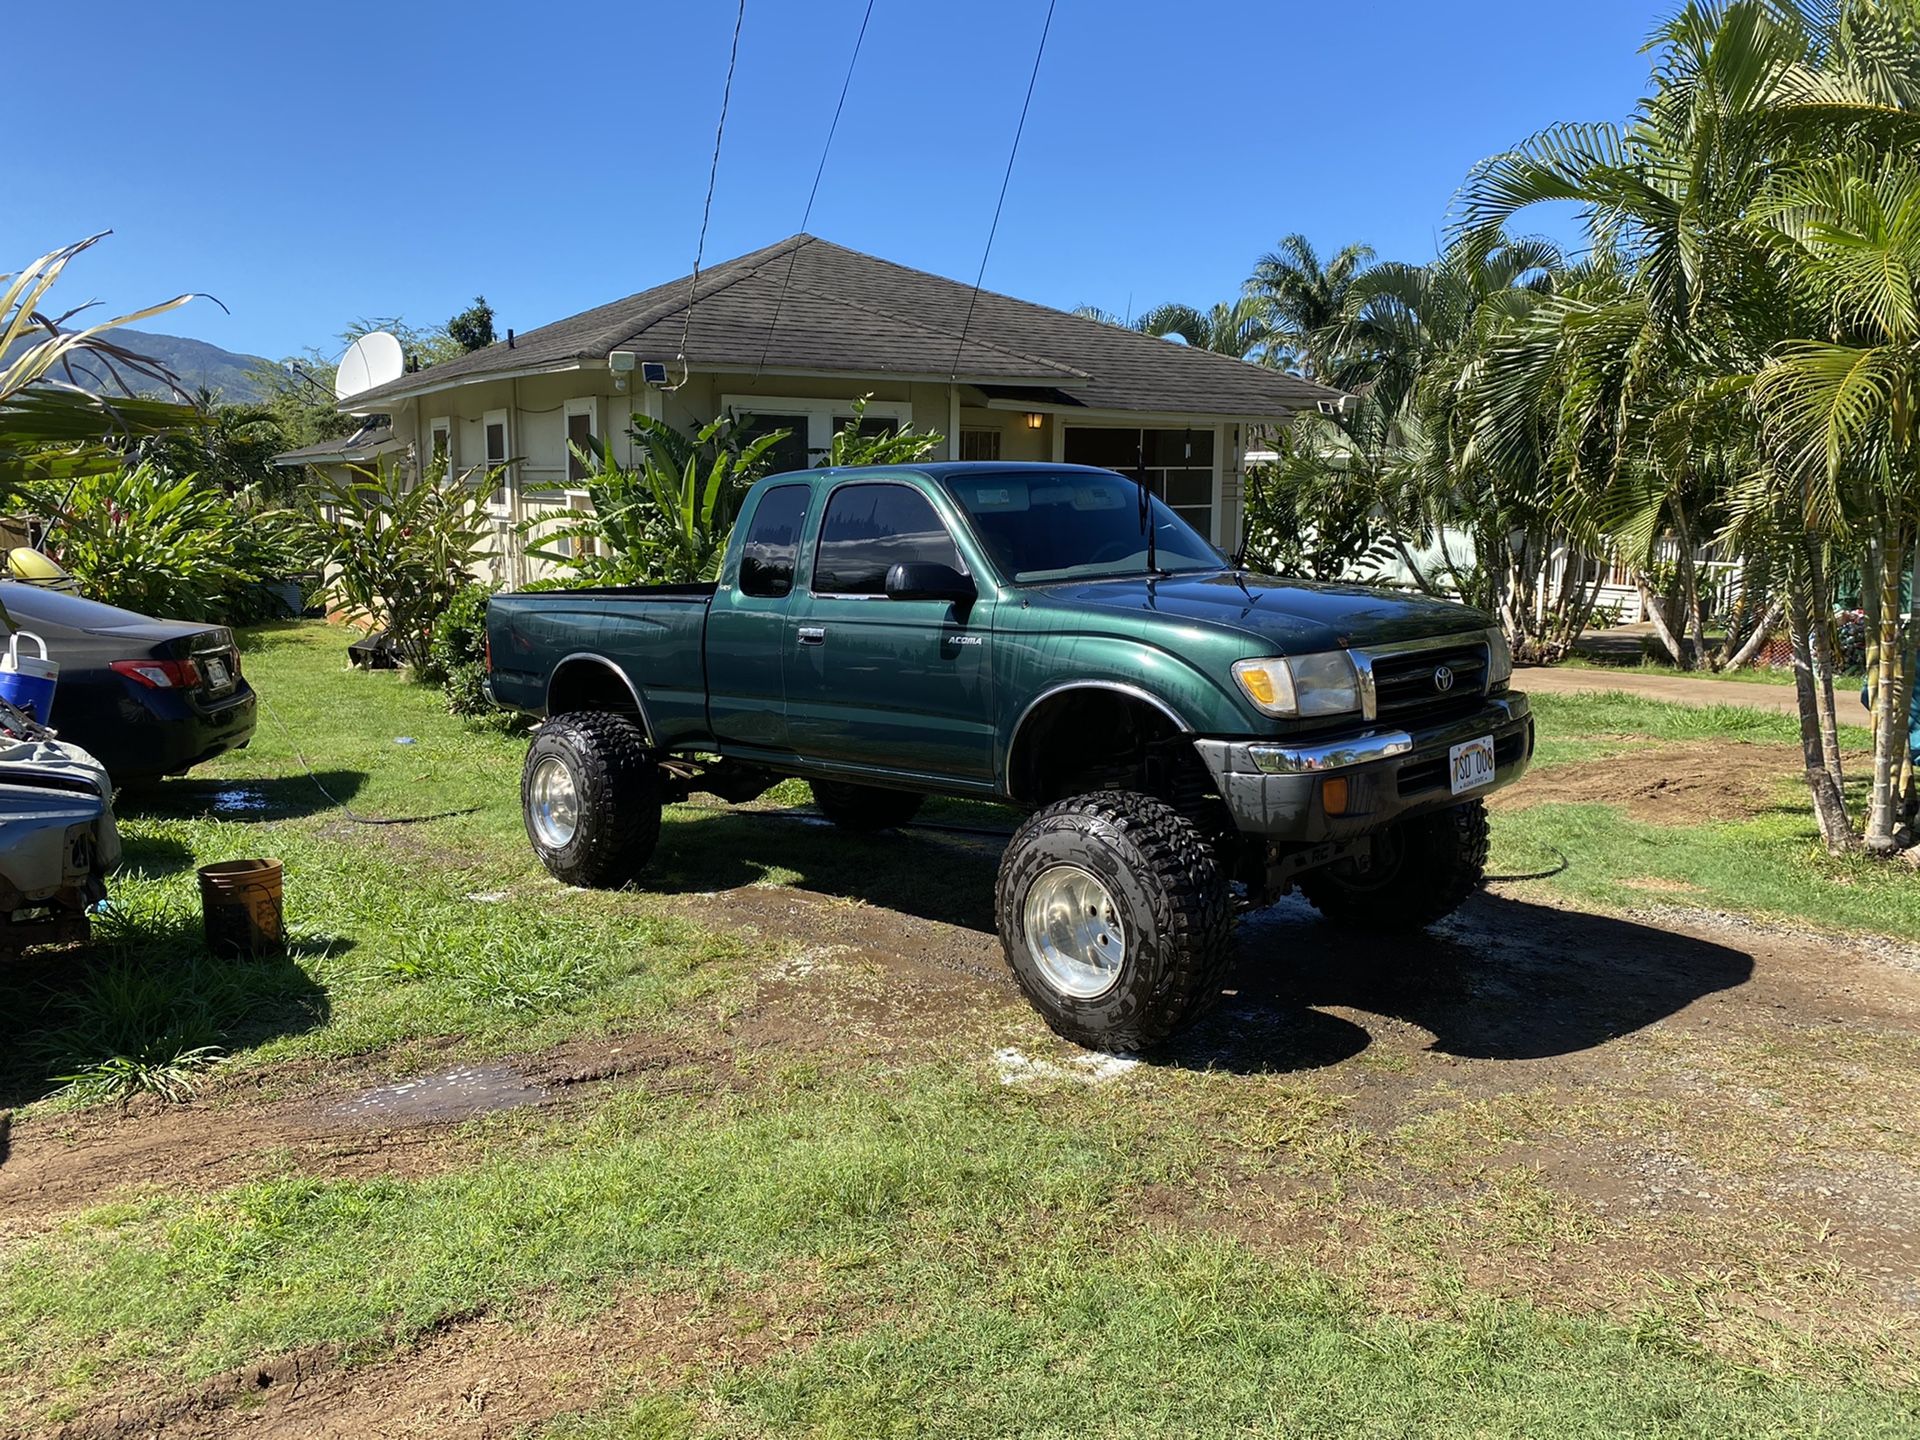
(590, 794)
(1115, 920)
(1420, 871)
(864, 808)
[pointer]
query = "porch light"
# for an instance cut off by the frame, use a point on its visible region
(1035, 419)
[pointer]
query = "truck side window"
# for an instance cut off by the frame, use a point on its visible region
(871, 528)
(766, 560)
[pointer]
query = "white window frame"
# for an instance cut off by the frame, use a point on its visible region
(504, 504)
(442, 425)
(589, 406)
(1216, 506)
(819, 414)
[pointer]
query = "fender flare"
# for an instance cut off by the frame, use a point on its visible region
(590, 658)
(1053, 692)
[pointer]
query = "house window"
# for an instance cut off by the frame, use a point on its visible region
(979, 444)
(495, 425)
(812, 422)
(787, 454)
(440, 460)
(1177, 464)
(868, 530)
(582, 436)
(766, 560)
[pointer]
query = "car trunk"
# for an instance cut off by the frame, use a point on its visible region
(215, 658)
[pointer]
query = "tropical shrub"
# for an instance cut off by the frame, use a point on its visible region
(458, 652)
(396, 555)
(666, 522)
(142, 540)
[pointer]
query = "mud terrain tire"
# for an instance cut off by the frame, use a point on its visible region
(1160, 893)
(608, 831)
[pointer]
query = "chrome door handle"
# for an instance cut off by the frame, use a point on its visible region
(813, 635)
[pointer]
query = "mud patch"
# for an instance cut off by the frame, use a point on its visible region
(456, 1094)
(1673, 785)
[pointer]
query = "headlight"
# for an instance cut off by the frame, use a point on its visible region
(1499, 658)
(1304, 686)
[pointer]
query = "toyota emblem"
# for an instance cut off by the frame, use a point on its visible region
(1442, 678)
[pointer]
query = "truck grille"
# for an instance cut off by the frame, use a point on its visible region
(1405, 686)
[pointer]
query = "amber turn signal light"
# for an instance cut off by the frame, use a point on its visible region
(1333, 796)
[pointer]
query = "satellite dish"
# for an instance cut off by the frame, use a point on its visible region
(372, 360)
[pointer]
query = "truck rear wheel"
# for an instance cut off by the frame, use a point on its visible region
(865, 808)
(1114, 916)
(590, 794)
(1421, 870)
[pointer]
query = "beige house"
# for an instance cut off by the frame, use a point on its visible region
(788, 336)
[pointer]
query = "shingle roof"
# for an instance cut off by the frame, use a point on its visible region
(364, 444)
(850, 313)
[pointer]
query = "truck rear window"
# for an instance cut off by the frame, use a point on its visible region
(766, 559)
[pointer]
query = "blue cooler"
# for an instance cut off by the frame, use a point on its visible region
(28, 682)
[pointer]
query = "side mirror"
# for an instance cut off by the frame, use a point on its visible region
(925, 580)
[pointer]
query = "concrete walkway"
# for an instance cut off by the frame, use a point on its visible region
(1679, 689)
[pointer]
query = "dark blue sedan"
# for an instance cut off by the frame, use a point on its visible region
(146, 697)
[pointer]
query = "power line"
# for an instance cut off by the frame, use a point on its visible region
(993, 229)
(819, 170)
(713, 171)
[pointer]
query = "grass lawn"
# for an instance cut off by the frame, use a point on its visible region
(832, 1215)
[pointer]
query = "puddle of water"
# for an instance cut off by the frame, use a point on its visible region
(237, 800)
(452, 1094)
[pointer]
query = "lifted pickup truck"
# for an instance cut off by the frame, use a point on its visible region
(1190, 738)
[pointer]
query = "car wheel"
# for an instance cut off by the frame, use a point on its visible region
(865, 808)
(1114, 916)
(590, 795)
(1420, 871)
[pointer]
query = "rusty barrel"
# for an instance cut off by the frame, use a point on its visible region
(241, 907)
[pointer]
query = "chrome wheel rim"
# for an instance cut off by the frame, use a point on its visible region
(554, 803)
(1074, 933)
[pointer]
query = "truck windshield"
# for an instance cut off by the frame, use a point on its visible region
(1074, 525)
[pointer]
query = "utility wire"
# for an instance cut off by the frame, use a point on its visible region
(992, 229)
(713, 171)
(819, 170)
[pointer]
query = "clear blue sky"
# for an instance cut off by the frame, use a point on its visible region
(313, 163)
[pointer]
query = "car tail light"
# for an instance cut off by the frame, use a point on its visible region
(159, 674)
(486, 653)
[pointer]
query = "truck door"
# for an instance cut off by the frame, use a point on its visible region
(898, 685)
(749, 628)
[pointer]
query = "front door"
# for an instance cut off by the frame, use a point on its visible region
(900, 685)
(750, 627)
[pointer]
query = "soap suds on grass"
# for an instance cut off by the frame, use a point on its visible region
(1016, 1068)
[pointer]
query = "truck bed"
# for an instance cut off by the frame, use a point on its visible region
(650, 631)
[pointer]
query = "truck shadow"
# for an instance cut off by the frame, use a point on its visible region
(1501, 980)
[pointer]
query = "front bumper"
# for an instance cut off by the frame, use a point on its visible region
(1279, 790)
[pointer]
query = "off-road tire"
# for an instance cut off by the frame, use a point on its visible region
(1174, 909)
(617, 786)
(865, 809)
(1433, 864)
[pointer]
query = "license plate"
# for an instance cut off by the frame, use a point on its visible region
(1470, 764)
(217, 676)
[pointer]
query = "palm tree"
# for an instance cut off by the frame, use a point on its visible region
(1743, 93)
(1237, 328)
(1305, 304)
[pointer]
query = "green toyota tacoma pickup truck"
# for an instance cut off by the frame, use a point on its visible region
(1191, 739)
